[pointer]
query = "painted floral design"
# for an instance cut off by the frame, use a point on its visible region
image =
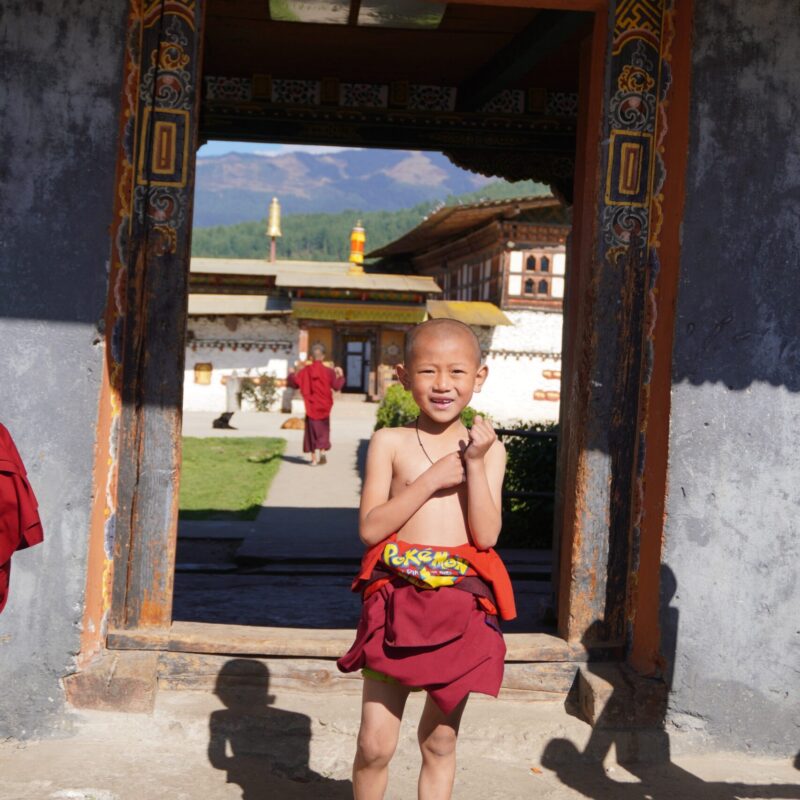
(220, 88)
(431, 98)
(363, 95)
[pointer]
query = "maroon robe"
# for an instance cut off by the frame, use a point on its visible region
(20, 526)
(316, 383)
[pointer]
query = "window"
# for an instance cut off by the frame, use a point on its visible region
(529, 286)
(543, 289)
(544, 264)
(531, 262)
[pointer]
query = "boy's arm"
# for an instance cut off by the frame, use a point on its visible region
(485, 462)
(381, 516)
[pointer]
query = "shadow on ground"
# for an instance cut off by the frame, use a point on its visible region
(263, 749)
(640, 743)
(657, 781)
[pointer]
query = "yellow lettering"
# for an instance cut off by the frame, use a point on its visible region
(390, 555)
(440, 557)
(425, 556)
(411, 557)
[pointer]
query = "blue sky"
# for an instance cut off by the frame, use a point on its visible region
(221, 148)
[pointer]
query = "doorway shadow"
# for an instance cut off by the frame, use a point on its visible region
(644, 751)
(263, 749)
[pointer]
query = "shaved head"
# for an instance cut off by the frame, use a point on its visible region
(441, 329)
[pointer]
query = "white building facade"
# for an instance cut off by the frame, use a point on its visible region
(502, 267)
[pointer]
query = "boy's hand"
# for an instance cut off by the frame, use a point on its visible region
(481, 438)
(447, 472)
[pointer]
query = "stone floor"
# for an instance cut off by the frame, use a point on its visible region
(298, 746)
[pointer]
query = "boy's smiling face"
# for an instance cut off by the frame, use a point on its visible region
(442, 369)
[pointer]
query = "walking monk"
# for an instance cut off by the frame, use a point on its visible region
(317, 383)
(432, 586)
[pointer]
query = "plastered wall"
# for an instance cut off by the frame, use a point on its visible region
(731, 630)
(58, 127)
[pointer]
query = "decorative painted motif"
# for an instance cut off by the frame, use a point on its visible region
(296, 93)
(561, 104)
(245, 344)
(368, 312)
(363, 95)
(237, 89)
(640, 80)
(509, 101)
(431, 98)
(399, 94)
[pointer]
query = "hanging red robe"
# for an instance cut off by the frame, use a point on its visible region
(20, 526)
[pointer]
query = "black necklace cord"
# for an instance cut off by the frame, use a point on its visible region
(422, 446)
(419, 439)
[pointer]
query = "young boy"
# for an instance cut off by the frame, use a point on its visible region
(432, 586)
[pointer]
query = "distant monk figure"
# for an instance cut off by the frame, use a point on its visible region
(317, 383)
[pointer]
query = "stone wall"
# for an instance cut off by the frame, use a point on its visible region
(60, 99)
(732, 543)
(524, 361)
(260, 346)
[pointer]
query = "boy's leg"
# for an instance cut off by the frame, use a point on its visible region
(382, 707)
(437, 736)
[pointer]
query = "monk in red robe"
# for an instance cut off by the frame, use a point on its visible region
(317, 383)
(20, 526)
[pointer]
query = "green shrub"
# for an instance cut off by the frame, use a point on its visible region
(398, 408)
(530, 467)
(261, 391)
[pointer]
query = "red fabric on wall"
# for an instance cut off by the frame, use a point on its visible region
(20, 526)
(316, 383)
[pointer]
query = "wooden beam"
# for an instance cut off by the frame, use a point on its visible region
(248, 640)
(548, 31)
(565, 5)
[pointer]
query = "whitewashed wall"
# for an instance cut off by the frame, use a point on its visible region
(518, 357)
(270, 331)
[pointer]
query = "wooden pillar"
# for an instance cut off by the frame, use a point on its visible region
(162, 138)
(610, 302)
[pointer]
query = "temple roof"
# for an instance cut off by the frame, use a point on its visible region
(452, 222)
(314, 275)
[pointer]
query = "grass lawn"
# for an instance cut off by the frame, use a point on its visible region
(227, 478)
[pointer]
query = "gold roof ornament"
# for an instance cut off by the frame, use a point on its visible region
(358, 238)
(274, 222)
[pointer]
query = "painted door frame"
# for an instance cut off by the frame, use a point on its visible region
(608, 355)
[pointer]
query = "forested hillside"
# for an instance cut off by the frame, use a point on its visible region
(326, 237)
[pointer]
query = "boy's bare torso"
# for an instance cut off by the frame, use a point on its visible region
(442, 519)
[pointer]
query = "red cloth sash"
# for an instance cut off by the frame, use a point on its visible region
(486, 563)
(20, 526)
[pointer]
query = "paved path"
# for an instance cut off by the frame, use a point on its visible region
(310, 512)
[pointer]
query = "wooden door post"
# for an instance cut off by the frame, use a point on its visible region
(162, 142)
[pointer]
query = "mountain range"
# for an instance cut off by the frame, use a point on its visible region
(238, 187)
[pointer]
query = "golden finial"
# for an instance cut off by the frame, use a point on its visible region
(274, 224)
(358, 238)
